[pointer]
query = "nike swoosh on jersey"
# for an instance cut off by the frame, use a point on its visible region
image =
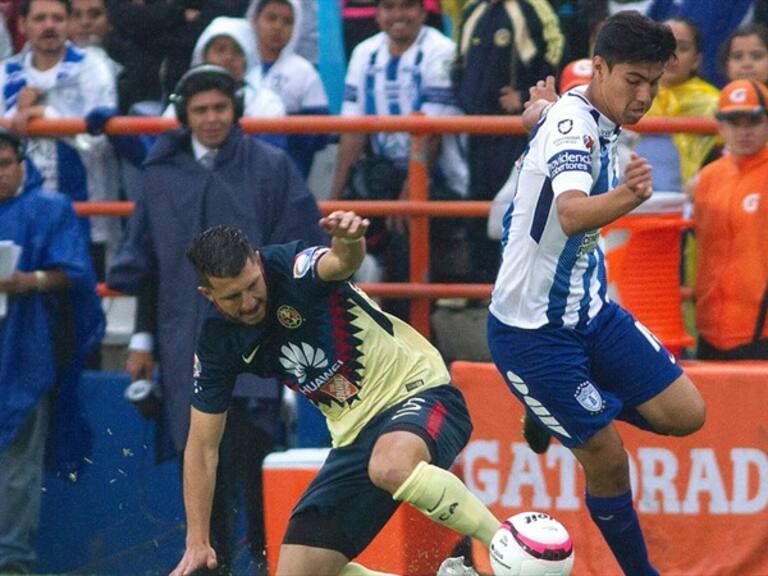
(248, 359)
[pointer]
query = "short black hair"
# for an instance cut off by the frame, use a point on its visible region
(630, 37)
(10, 140)
(219, 252)
(26, 4)
(756, 29)
(264, 3)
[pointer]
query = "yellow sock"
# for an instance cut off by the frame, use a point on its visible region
(354, 569)
(444, 498)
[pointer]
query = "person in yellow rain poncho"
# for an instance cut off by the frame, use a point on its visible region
(677, 158)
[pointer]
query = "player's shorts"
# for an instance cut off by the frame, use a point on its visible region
(575, 381)
(342, 510)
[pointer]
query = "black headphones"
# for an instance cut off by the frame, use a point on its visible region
(201, 79)
(14, 141)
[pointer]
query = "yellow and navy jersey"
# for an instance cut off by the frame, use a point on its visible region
(326, 340)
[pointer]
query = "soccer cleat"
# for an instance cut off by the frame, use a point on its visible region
(537, 437)
(455, 567)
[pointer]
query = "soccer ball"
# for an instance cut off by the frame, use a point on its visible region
(531, 544)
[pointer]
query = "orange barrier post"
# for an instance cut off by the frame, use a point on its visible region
(644, 274)
(702, 499)
(418, 190)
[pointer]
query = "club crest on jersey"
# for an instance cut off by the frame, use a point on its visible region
(289, 317)
(589, 142)
(589, 397)
(565, 126)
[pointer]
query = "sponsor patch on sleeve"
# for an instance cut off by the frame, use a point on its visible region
(569, 161)
(306, 260)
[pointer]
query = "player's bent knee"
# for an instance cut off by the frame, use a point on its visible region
(692, 422)
(388, 475)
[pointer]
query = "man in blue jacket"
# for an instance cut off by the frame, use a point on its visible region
(50, 320)
(205, 174)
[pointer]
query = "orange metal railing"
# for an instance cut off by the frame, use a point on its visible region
(417, 207)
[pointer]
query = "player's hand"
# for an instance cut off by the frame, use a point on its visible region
(140, 364)
(638, 177)
(542, 90)
(345, 225)
(196, 557)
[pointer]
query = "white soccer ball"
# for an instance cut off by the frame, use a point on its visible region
(531, 544)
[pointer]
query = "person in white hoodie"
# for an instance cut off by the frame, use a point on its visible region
(276, 25)
(229, 43)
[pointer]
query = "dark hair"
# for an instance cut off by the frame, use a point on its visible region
(759, 30)
(10, 140)
(26, 4)
(630, 37)
(219, 252)
(264, 3)
(203, 78)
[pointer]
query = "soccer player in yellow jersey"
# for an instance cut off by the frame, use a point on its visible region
(397, 423)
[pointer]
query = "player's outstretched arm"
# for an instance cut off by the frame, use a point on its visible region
(579, 213)
(201, 456)
(347, 231)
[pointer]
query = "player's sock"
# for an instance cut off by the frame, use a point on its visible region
(355, 569)
(444, 498)
(617, 520)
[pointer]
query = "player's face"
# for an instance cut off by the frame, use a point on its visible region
(89, 24)
(687, 59)
(242, 298)
(744, 134)
(747, 59)
(224, 51)
(627, 90)
(274, 27)
(46, 26)
(210, 116)
(11, 173)
(401, 20)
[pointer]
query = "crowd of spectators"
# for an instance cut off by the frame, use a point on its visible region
(209, 63)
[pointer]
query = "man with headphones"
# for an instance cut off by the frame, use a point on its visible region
(207, 173)
(46, 290)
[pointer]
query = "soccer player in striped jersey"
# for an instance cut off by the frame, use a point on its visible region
(577, 360)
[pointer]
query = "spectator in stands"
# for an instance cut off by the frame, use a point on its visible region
(230, 43)
(204, 174)
(401, 70)
(677, 157)
(731, 226)
(89, 25)
(715, 19)
(358, 20)
(499, 56)
(50, 321)
(277, 24)
(53, 79)
(744, 56)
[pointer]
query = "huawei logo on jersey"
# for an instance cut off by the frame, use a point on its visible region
(298, 359)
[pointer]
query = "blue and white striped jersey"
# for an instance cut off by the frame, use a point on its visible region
(547, 278)
(417, 81)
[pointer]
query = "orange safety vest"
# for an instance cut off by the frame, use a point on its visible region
(731, 223)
